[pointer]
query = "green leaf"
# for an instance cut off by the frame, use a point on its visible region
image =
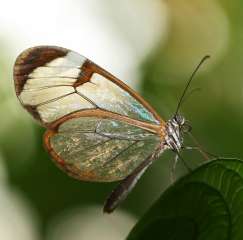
(206, 204)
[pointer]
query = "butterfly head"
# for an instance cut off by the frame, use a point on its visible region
(183, 124)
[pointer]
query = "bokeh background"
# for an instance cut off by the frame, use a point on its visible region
(151, 45)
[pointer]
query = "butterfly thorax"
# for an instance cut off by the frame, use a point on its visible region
(174, 132)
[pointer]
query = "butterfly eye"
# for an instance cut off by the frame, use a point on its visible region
(180, 120)
(186, 127)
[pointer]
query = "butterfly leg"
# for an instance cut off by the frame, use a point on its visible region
(173, 169)
(204, 153)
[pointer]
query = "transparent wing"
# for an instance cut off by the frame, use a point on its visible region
(52, 82)
(98, 149)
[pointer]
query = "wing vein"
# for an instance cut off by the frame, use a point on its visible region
(56, 76)
(95, 145)
(54, 99)
(117, 155)
(86, 98)
(46, 87)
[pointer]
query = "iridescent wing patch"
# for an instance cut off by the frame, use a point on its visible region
(98, 129)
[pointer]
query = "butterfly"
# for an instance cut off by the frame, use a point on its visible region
(98, 128)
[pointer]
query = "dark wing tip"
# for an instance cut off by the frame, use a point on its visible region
(32, 58)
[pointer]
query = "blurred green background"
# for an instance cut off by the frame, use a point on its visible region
(151, 45)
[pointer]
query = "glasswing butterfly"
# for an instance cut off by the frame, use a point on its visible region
(98, 128)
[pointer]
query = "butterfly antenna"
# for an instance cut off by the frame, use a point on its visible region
(190, 93)
(189, 82)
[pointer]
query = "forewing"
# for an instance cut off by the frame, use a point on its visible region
(98, 149)
(52, 82)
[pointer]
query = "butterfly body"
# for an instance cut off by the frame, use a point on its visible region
(98, 128)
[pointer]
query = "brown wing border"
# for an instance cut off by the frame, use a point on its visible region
(26, 62)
